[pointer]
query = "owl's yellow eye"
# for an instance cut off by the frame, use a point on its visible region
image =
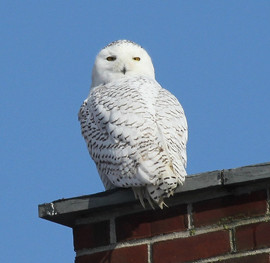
(112, 58)
(137, 58)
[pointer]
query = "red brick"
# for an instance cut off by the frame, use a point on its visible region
(191, 248)
(91, 235)
(228, 208)
(253, 236)
(151, 223)
(122, 255)
(260, 258)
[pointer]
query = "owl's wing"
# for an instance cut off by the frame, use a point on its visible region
(173, 125)
(94, 137)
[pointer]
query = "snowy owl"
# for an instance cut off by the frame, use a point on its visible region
(135, 131)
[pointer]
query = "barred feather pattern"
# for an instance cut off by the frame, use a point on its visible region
(136, 133)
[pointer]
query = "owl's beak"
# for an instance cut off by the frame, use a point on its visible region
(124, 70)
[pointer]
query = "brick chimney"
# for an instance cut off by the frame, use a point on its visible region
(220, 216)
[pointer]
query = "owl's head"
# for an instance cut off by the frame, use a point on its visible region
(120, 59)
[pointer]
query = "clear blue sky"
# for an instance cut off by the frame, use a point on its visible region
(213, 55)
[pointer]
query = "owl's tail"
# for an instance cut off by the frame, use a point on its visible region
(163, 186)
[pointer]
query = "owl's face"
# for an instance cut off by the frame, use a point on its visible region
(121, 59)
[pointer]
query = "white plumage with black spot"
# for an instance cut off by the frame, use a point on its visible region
(135, 131)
